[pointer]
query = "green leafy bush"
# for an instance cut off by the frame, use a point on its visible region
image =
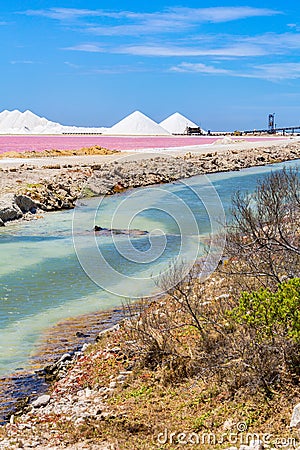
(271, 314)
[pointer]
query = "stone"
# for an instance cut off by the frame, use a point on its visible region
(81, 393)
(228, 425)
(85, 346)
(256, 445)
(295, 420)
(79, 421)
(87, 392)
(79, 334)
(253, 445)
(26, 204)
(43, 400)
(65, 357)
(121, 378)
(107, 330)
(115, 350)
(8, 208)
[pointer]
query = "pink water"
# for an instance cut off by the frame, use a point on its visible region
(40, 143)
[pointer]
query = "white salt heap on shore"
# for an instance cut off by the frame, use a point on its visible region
(17, 122)
(138, 124)
(177, 123)
(224, 141)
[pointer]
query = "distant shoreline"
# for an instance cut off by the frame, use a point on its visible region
(55, 183)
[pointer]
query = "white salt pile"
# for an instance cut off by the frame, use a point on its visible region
(17, 122)
(138, 124)
(177, 123)
(226, 140)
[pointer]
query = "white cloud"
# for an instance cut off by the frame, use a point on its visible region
(61, 13)
(224, 14)
(218, 46)
(120, 30)
(90, 48)
(22, 62)
(72, 65)
(170, 20)
(237, 50)
(116, 70)
(200, 68)
(230, 51)
(276, 41)
(270, 72)
(276, 72)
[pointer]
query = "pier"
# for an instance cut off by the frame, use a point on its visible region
(273, 130)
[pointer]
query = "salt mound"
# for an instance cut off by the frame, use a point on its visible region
(226, 140)
(177, 123)
(138, 124)
(16, 122)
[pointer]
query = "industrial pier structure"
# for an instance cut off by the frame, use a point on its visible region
(272, 128)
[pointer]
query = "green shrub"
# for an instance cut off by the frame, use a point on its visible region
(271, 314)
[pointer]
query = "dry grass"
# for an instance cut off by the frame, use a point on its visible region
(151, 402)
(94, 150)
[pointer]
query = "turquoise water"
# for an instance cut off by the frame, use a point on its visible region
(55, 267)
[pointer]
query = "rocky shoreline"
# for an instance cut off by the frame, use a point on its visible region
(28, 189)
(60, 346)
(80, 405)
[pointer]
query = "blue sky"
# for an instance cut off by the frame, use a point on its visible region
(224, 65)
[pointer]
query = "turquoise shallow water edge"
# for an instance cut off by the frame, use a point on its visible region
(42, 281)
